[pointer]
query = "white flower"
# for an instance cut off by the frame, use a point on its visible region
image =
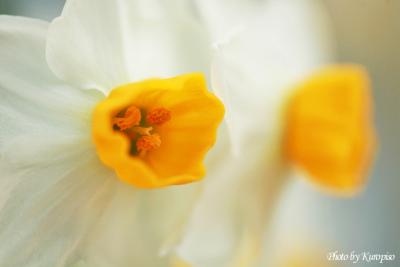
(60, 205)
(277, 118)
(73, 99)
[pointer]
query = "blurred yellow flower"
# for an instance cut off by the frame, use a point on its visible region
(286, 106)
(329, 127)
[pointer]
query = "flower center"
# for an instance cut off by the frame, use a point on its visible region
(157, 132)
(140, 131)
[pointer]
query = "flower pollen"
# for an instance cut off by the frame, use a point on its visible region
(140, 132)
(131, 118)
(158, 116)
(148, 143)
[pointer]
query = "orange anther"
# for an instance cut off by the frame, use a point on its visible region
(148, 143)
(158, 116)
(131, 118)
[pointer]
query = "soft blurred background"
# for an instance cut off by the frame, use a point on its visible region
(367, 32)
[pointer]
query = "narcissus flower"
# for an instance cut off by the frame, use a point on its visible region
(104, 100)
(157, 132)
(286, 109)
(329, 131)
(108, 98)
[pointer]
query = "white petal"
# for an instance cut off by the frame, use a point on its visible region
(102, 44)
(224, 17)
(33, 102)
(52, 184)
(136, 224)
(54, 191)
(253, 71)
(49, 208)
(234, 208)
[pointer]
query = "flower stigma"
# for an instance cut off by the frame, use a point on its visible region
(157, 132)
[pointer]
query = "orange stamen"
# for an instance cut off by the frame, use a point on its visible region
(158, 116)
(148, 143)
(131, 118)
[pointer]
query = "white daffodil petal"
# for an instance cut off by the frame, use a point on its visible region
(49, 209)
(225, 17)
(234, 208)
(49, 198)
(33, 101)
(106, 43)
(136, 225)
(253, 71)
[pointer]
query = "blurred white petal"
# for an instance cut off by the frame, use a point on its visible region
(253, 73)
(106, 43)
(224, 17)
(234, 208)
